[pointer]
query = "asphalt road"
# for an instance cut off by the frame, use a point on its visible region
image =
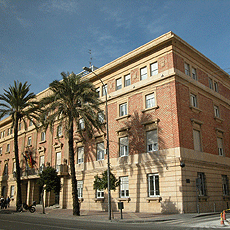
(18, 222)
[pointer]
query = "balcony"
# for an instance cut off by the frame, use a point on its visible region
(62, 169)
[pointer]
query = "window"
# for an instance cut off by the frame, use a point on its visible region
(59, 131)
(153, 185)
(194, 75)
(201, 184)
(150, 100)
(154, 68)
(118, 84)
(124, 146)
(99, 193)
(127, 80)
(104, 90)
(123, 109)
(144, 73)
(80, 155)
(29, 141)
(3, 134)
(101, 117)
(19, 126)
(41, 164)
(5, 169)
(31, 122)
(210, 83)
(187, 69)
(9, 131)
(197, 140)
(58, 161)
(14, 167)
(8, 148)
(220, 146)
(11, 191)
(216, 111)
(193, 100)
(152, 140)
(0, 151)
(43, 136)
(98, 91)
(216, 86)
(81, 124)
(80, 188)
(100, 151)
(124, 187)
(225, 185)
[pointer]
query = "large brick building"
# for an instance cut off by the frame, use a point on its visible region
(167, 104)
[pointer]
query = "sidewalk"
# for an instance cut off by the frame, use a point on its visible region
(102, 216)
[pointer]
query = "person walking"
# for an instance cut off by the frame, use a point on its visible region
(8, 201)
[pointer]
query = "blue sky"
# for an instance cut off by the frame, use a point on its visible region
(41, 38)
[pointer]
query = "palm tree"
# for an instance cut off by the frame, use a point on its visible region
(73, 98)
(20, 105)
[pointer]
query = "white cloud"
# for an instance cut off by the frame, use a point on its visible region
(118, 16)
(59, 5)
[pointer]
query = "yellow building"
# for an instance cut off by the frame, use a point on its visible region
(168, 106)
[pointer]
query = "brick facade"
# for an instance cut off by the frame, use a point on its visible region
(178, 124)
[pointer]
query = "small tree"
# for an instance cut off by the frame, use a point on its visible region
(102, 182)
(49, 181)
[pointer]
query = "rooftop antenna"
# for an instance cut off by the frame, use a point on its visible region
(90, 62)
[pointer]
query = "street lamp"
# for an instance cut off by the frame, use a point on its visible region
(107, 135)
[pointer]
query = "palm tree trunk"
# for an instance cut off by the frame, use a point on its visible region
(76, 207)
(18, 176)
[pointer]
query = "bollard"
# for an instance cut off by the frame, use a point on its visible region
(224, 215)
(221, 219)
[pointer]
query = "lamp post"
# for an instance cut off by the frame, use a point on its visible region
(107, 135)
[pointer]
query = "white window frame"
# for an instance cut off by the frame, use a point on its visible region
(193, 100)
(220, 146)
(150, 101)
(124, 146)
(216, 111)
(124, 187)
(100, 193)
(104, 90)
(216, 89)
(11, 191)
(29, 141)
(98, 91)
(81, 123)
(58, 161)
(194, 74)
(0, 151)
(43, 136)
(143, 73)
(123, 109)
(154, 69)
(8, 148)
(100, 151)
(59, 131)
(127, 80)
(118, 83)
(152, 140)
(187, 68)
(210, 83)
(31, 122)
(80, 155)
(153, 185)
(80, 188)
(41, 163)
